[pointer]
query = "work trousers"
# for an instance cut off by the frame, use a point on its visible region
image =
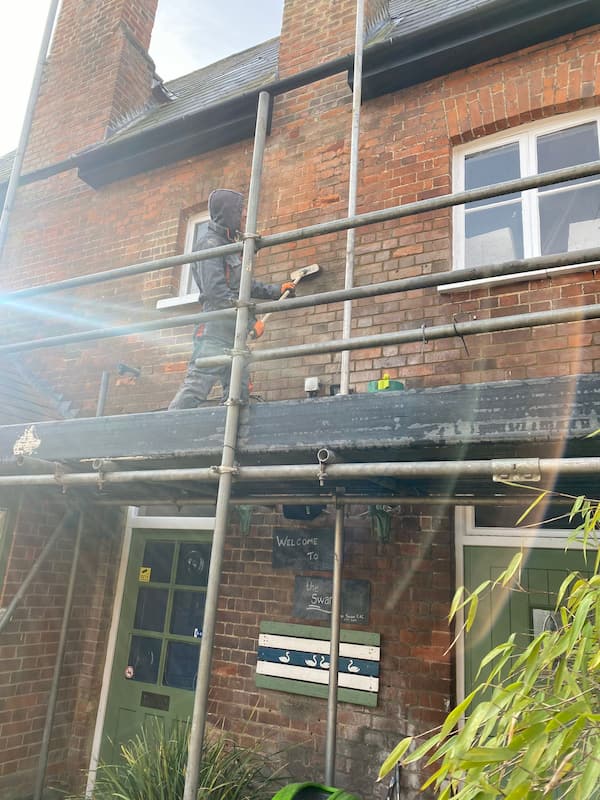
(199, 381)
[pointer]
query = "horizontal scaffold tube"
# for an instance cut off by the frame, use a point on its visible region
(424, 334)
(579, 257)
(319, 229)
(396, 469)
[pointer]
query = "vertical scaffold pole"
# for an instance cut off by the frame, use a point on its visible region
(60, 655)
(228, 457)
(334, 650)
(352, 190)
(17, 166)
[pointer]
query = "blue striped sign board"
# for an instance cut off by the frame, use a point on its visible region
(295, 659)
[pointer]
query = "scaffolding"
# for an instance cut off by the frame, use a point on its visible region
(228, 472)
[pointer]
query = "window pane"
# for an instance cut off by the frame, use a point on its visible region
(200, 229)
(492, 166)
(192, 564)
(493, 235)
(150, 609)
(181, 666)
(144, 656)
(570, 220)
(187, 615)
(567, 148)
(158, 557)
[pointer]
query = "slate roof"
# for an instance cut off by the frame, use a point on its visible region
(24, 398)
(410, 17)
(6, 163)
(257, 66)
(223, 80)
(244, 72)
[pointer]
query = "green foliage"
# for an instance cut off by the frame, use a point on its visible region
(153, 768)
(532, 726)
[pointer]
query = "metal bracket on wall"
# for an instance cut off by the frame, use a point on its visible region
(381, 522)
(245, 518)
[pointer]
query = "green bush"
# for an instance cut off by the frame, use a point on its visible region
(153, 768)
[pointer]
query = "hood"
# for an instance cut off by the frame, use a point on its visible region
(225, 209)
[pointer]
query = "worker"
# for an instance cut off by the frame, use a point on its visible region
(218, 279)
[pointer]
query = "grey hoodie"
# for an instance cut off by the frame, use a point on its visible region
(218, 278)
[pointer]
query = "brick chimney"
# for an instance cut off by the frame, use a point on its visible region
(315, 31)
(98, 73)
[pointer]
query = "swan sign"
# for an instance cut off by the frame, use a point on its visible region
(295, 659)
(313, 597)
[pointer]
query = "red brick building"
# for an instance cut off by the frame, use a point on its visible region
(457, 96)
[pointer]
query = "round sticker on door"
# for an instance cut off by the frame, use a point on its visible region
(129, 672)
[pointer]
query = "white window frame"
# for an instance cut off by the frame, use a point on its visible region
(526, 136)
(184, 296)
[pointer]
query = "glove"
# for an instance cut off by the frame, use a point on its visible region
(289, 287)
(257, 329)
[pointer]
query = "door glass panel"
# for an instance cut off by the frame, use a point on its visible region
(150, 609)
(192, 564)
(181, 665)
(144, 657)
(158, 558)
(188, 613)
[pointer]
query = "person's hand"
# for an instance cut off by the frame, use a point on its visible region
(257, 329)
(289, 287)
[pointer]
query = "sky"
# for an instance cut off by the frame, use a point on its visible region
(188, 34)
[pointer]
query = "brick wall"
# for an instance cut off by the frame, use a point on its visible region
(61, 227)
(411, 587)
(29, 644)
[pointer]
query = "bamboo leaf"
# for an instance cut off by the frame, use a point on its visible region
(530, 508)
(455, 715)
(457, 601)
(474, 604)
(394, 757)
(486, 755)
(590, 778)
(509, 573)
(577, 506)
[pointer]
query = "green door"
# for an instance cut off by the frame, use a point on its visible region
(158, 640)
(506, 611)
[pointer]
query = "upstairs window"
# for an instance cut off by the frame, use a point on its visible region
(196, 228)
(554, 219)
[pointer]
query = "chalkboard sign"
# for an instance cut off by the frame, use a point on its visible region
(302, 548)
(312, 599)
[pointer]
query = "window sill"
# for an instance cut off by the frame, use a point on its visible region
(517, 277)
(183, 301)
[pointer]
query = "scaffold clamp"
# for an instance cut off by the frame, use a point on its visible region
(528, 469)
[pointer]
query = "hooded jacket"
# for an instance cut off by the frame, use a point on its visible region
(219, 278)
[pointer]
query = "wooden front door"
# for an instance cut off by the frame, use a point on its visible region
(507, 611)
(159, 636)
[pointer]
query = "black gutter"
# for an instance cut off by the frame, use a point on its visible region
(460, 42)
(376, 64)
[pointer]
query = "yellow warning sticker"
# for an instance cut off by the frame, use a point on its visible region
(145, 573)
